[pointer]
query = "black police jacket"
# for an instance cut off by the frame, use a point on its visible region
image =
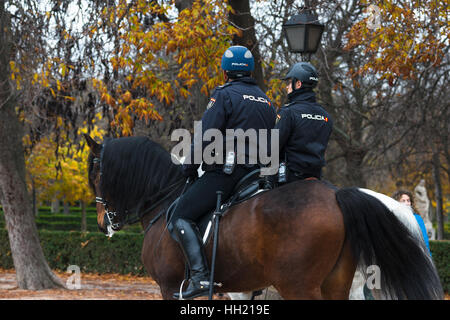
(238, 104)
(305, 129)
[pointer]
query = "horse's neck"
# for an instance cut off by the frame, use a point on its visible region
(147, 218)
(155, 239)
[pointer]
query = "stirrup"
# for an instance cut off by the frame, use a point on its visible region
(204, 283)
(181, 290)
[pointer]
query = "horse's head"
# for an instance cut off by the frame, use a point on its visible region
(105, 214)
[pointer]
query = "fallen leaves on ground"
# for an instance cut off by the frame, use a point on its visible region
(93, 287)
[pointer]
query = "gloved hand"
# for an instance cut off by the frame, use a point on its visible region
(190, 171)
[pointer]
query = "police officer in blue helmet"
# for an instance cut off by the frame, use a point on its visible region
(304, 126)
(238, 104)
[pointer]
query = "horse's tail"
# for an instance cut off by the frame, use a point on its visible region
(378, 238)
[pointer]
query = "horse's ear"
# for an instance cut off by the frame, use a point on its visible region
(95, 147)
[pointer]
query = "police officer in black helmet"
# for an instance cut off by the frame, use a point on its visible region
(238, 104)
(304, 125)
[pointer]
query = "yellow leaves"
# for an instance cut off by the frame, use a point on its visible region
(69, 98)
(15, 74)
(35, 78)
(163, 61)
(92, 32)
(12, 66)
(126, 97)
(70, 183)
(276, 92)
(59, 121)
(184, 93)
(125, 49)
(110, 100)
(171, 46)
(63, 69)
(403, 42)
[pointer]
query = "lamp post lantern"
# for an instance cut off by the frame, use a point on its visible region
(303, 32)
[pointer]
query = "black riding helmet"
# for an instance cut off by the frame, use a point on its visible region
(305, 72)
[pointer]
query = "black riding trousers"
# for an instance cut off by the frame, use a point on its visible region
(201, 198)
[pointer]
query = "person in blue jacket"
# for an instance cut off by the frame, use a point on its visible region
(406, 197)
(304, 125)
(238, 104)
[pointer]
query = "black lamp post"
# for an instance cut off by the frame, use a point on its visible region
(303, 32)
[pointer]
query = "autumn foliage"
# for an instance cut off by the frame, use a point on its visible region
(400, 38)
(60, 172)
(157, 62)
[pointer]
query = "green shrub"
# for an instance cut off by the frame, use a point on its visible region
(63, 226)
(69, 222)
(441, 257)
(92, 252)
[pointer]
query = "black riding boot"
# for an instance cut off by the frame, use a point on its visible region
(191, 244)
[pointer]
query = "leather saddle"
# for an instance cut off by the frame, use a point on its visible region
(249, 186)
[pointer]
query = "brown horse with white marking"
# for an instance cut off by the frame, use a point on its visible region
(304, 238)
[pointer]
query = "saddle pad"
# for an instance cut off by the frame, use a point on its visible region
(205, 225)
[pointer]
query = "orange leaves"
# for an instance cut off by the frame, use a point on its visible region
(163, 61)
(276, 91)
(106, 97)
(126, 97)
(409, 35)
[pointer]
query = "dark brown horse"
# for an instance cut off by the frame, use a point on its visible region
(304, 238)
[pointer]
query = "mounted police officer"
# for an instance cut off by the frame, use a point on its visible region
(304, 125)
(238, 104)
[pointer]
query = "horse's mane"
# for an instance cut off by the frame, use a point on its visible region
(134, 169)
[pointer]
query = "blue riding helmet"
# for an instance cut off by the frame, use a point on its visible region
(238, 58)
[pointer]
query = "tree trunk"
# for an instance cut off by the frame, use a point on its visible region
(438, 192)
(66, 207)
(243, 19)
(183, 4)
(34, 198)
(354, 171)
(32, 270)
(54, 207)
(83, 217)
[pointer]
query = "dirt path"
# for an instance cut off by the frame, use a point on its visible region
(92, 287)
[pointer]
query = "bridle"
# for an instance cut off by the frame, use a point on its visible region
(111, 216)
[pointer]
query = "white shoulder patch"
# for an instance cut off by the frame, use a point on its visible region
(211, 103)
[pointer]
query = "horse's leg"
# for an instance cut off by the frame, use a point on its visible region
(338, 283)
(166, 269)
(168, 291)
(300, 293)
